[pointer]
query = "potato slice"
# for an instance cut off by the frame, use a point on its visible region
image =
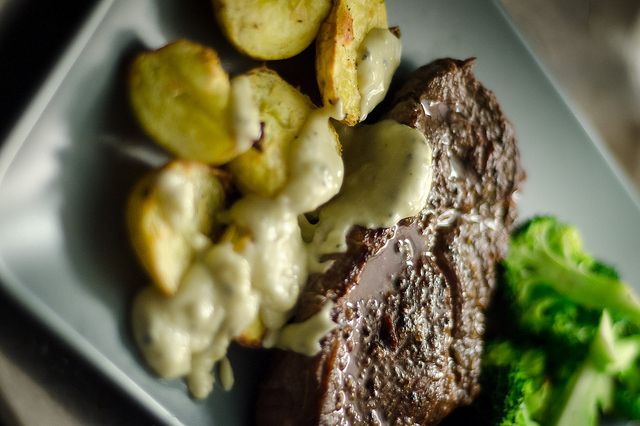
(264, 169)
(337, 44)
(170, 217)
(253, 336)
(271, 30)
(181, 95)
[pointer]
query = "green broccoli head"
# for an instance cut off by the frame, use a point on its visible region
(525, 384)
(510, 388)
(544, 312)
(626, 370)
(627, 394)
(589, 389)
(513, 382)
(583, 322)
(557, 289)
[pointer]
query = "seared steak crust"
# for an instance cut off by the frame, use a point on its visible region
(409, 300)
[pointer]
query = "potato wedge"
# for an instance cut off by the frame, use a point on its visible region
(337, 44)
(271, 30)
(170, 217)
(181, 94)
(264, 169)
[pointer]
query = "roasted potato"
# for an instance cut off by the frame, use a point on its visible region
(170, 217)
(181, 96)
(337, 44)
(264, 169)
(253, 336)
(271, 30)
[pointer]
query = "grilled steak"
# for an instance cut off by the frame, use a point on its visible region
(409, 301)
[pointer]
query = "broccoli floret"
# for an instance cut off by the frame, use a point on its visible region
(589, 389)
(510, 388)
(526, 385)
(582, 320)
(627, 394)
(513, 379)
(626, 368)
(582, 398)
(557, 289)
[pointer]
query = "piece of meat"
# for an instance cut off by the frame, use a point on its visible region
(409, 300)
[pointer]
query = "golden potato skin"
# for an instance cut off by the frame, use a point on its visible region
(164, 249)
(264, 169)
(271, 30)
(253, 336)
(337, 44)
(180, 94)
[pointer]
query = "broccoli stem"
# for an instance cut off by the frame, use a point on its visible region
(591, 387)
(587, 392)
(577, 284)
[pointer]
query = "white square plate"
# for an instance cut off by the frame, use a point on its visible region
(69, 163)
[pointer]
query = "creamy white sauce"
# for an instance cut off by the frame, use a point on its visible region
(304, 337)
(186, 334)
(226, 374)
(245, 114)
(275, 253)
(176, 196)
(224, 292)
(387, 178)
(387, 169)
(200, 378)
(177, 201)
(316, 164)
(378, 57)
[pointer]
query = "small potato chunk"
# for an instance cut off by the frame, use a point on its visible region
(170, 217)
(271, 30)
(181, 94)
(337, 44)
(253, 336)
(265, 168)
